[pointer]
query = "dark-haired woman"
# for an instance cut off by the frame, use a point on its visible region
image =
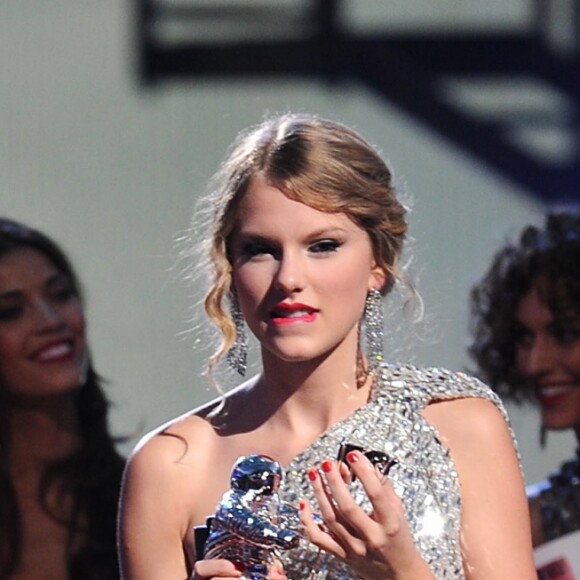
(526, 342)
(59, 470)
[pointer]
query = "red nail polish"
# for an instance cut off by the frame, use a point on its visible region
(312, 474)
(327, 466)
(352, 457)
(239, 566)
(301, 505)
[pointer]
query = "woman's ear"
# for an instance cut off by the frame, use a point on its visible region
(378, 278)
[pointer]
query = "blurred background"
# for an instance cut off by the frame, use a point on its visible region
(114, 115)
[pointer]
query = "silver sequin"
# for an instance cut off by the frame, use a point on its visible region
(424, 477)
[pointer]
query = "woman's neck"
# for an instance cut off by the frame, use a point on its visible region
(314, 393)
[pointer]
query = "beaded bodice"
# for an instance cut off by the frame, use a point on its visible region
(424, 476)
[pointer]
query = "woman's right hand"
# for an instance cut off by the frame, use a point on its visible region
(376, 546)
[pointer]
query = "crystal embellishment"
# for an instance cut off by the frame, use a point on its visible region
(424, 476)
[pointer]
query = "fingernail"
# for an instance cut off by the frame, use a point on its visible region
(239, 566)
(352, 457)
(312, 474)
(327, 466)
(301, 505)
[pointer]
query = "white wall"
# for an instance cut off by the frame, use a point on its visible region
(111, 172)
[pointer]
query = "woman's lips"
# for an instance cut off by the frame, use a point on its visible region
(285, 314)
(55, 352)
(553, 395)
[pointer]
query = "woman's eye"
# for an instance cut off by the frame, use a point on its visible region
(10, 313)
(325, 246)
(64, 294)
(523, 338)
(567, 336)
(254, 250)
(60, 290)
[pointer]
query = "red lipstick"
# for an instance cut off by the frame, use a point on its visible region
(551, 396)
(286, 313)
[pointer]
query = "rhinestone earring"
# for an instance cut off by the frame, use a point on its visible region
(373, 320)
(237, 356)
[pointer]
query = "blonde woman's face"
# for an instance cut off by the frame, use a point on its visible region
(301, 275)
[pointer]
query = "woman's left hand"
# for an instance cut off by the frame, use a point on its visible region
(378, 545)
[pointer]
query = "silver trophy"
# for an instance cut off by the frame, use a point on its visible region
(251, 525)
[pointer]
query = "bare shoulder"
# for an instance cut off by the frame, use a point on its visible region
(173, 481)
(163, 496)
(172, 444)
(171, 456)
(468, 420)
(495, 518)
(478, 437)
(189, 449)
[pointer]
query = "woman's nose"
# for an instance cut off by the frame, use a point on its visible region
(540, 358)
(291, 275)
(47, 316)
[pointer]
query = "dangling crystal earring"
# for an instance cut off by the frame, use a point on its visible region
(237, 356)
(373, 319)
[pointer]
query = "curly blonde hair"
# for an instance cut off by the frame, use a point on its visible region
(315, 161)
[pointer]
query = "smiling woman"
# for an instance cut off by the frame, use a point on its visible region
(59, 470)
(34, 296)
(305, 238)
(526, 342)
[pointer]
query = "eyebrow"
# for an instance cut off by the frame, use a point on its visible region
(321, 233)
(10, 295)
(57, 279)
(51, 281)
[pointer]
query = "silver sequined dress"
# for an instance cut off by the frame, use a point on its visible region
(424, 476)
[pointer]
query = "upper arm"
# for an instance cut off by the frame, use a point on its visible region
(495, 525)
(153, 517)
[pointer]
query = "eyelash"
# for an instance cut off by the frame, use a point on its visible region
(566, 336)
(10, 314)
(562, 336)
(325, 246)
(252, 250)
(63, 294)
(58, 295)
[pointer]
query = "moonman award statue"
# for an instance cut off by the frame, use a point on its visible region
(248, 527)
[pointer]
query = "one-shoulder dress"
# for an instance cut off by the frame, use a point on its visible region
(424, 476)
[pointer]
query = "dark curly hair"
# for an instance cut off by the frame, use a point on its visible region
(549, 255)
(91, 476)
